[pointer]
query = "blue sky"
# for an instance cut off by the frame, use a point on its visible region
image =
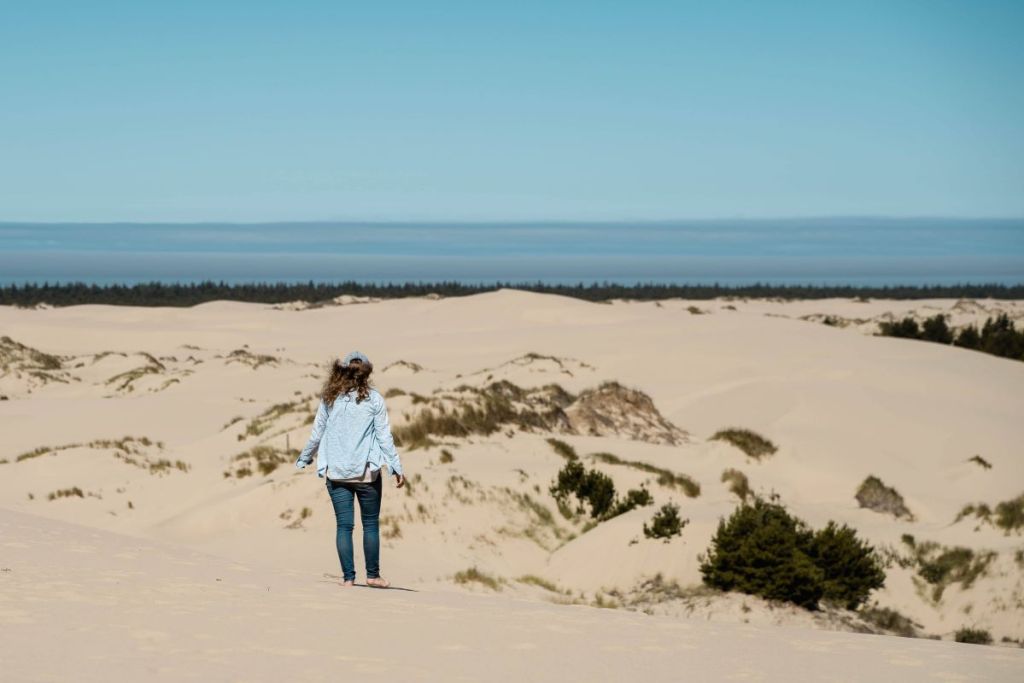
(231, 111)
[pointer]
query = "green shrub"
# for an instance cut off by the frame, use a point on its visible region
(904, 329)
(936, 330)
(666, 523)
(968, 338)
(763, 550)
(851, 568)
(634, 498)
(998, 336)
(394, 392)
(1010, 513)
(974, 636)
(751, 443)
(590, 487)
(446, 457)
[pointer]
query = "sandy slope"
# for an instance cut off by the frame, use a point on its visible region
(841, 405)
(82, 604)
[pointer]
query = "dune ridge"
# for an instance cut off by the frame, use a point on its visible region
(227, 390)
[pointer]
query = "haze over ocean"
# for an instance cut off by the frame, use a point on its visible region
(857, 251)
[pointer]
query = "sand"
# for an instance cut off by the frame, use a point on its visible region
(132, 587)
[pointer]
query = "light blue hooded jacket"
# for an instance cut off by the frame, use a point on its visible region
(348, 436)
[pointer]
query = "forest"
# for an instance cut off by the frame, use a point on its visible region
(192, 293)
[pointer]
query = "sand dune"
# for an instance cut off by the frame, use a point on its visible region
(83, 604)
(180, 426)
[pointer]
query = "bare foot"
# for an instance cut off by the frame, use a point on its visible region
(379, 582)
(347, 584)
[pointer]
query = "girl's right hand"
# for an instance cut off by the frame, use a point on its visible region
(399, 480)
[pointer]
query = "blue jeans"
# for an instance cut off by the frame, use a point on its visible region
(342, 495)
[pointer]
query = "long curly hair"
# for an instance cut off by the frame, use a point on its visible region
(342, 380)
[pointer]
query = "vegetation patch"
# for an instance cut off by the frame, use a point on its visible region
(891, 621)
(233, 421)
(474, 575)
(1010, 514)
(483, 411)
(738, 484)
(73, 492)
(941, 566)
(125, 381)
(394, 392)
(176, 294)
(21, 360)
(664, 477)
(973, 636)
(874, 495)
(763, 550)
(253, 360)
(390, 527)
(265, 420)
(408, 365)
(563, 449)
(162, 465)
(540, 582)
(466, 410)
(751, 443)
(128, 449)
(1007, 515)
(980, 462)
(980, 511)
(999, 336)
(446, 457)
(590, 487)
(264, 459)
(666, 523)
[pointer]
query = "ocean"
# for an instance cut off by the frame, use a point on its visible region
(855, 251)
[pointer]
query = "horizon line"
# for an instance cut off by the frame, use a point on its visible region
(530, 221)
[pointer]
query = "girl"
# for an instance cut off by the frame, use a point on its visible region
(352, 439)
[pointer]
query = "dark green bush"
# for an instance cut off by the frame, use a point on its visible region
(1010, 513)
(634, 498)
(852, 570)
(968, 338)
(665, 523)
(974, 636)
(999, 336)
(763, 550)
(936, 330)
(905, 329)
(589, 486)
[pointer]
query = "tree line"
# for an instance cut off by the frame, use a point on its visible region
(998, 336)
(193, 293)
